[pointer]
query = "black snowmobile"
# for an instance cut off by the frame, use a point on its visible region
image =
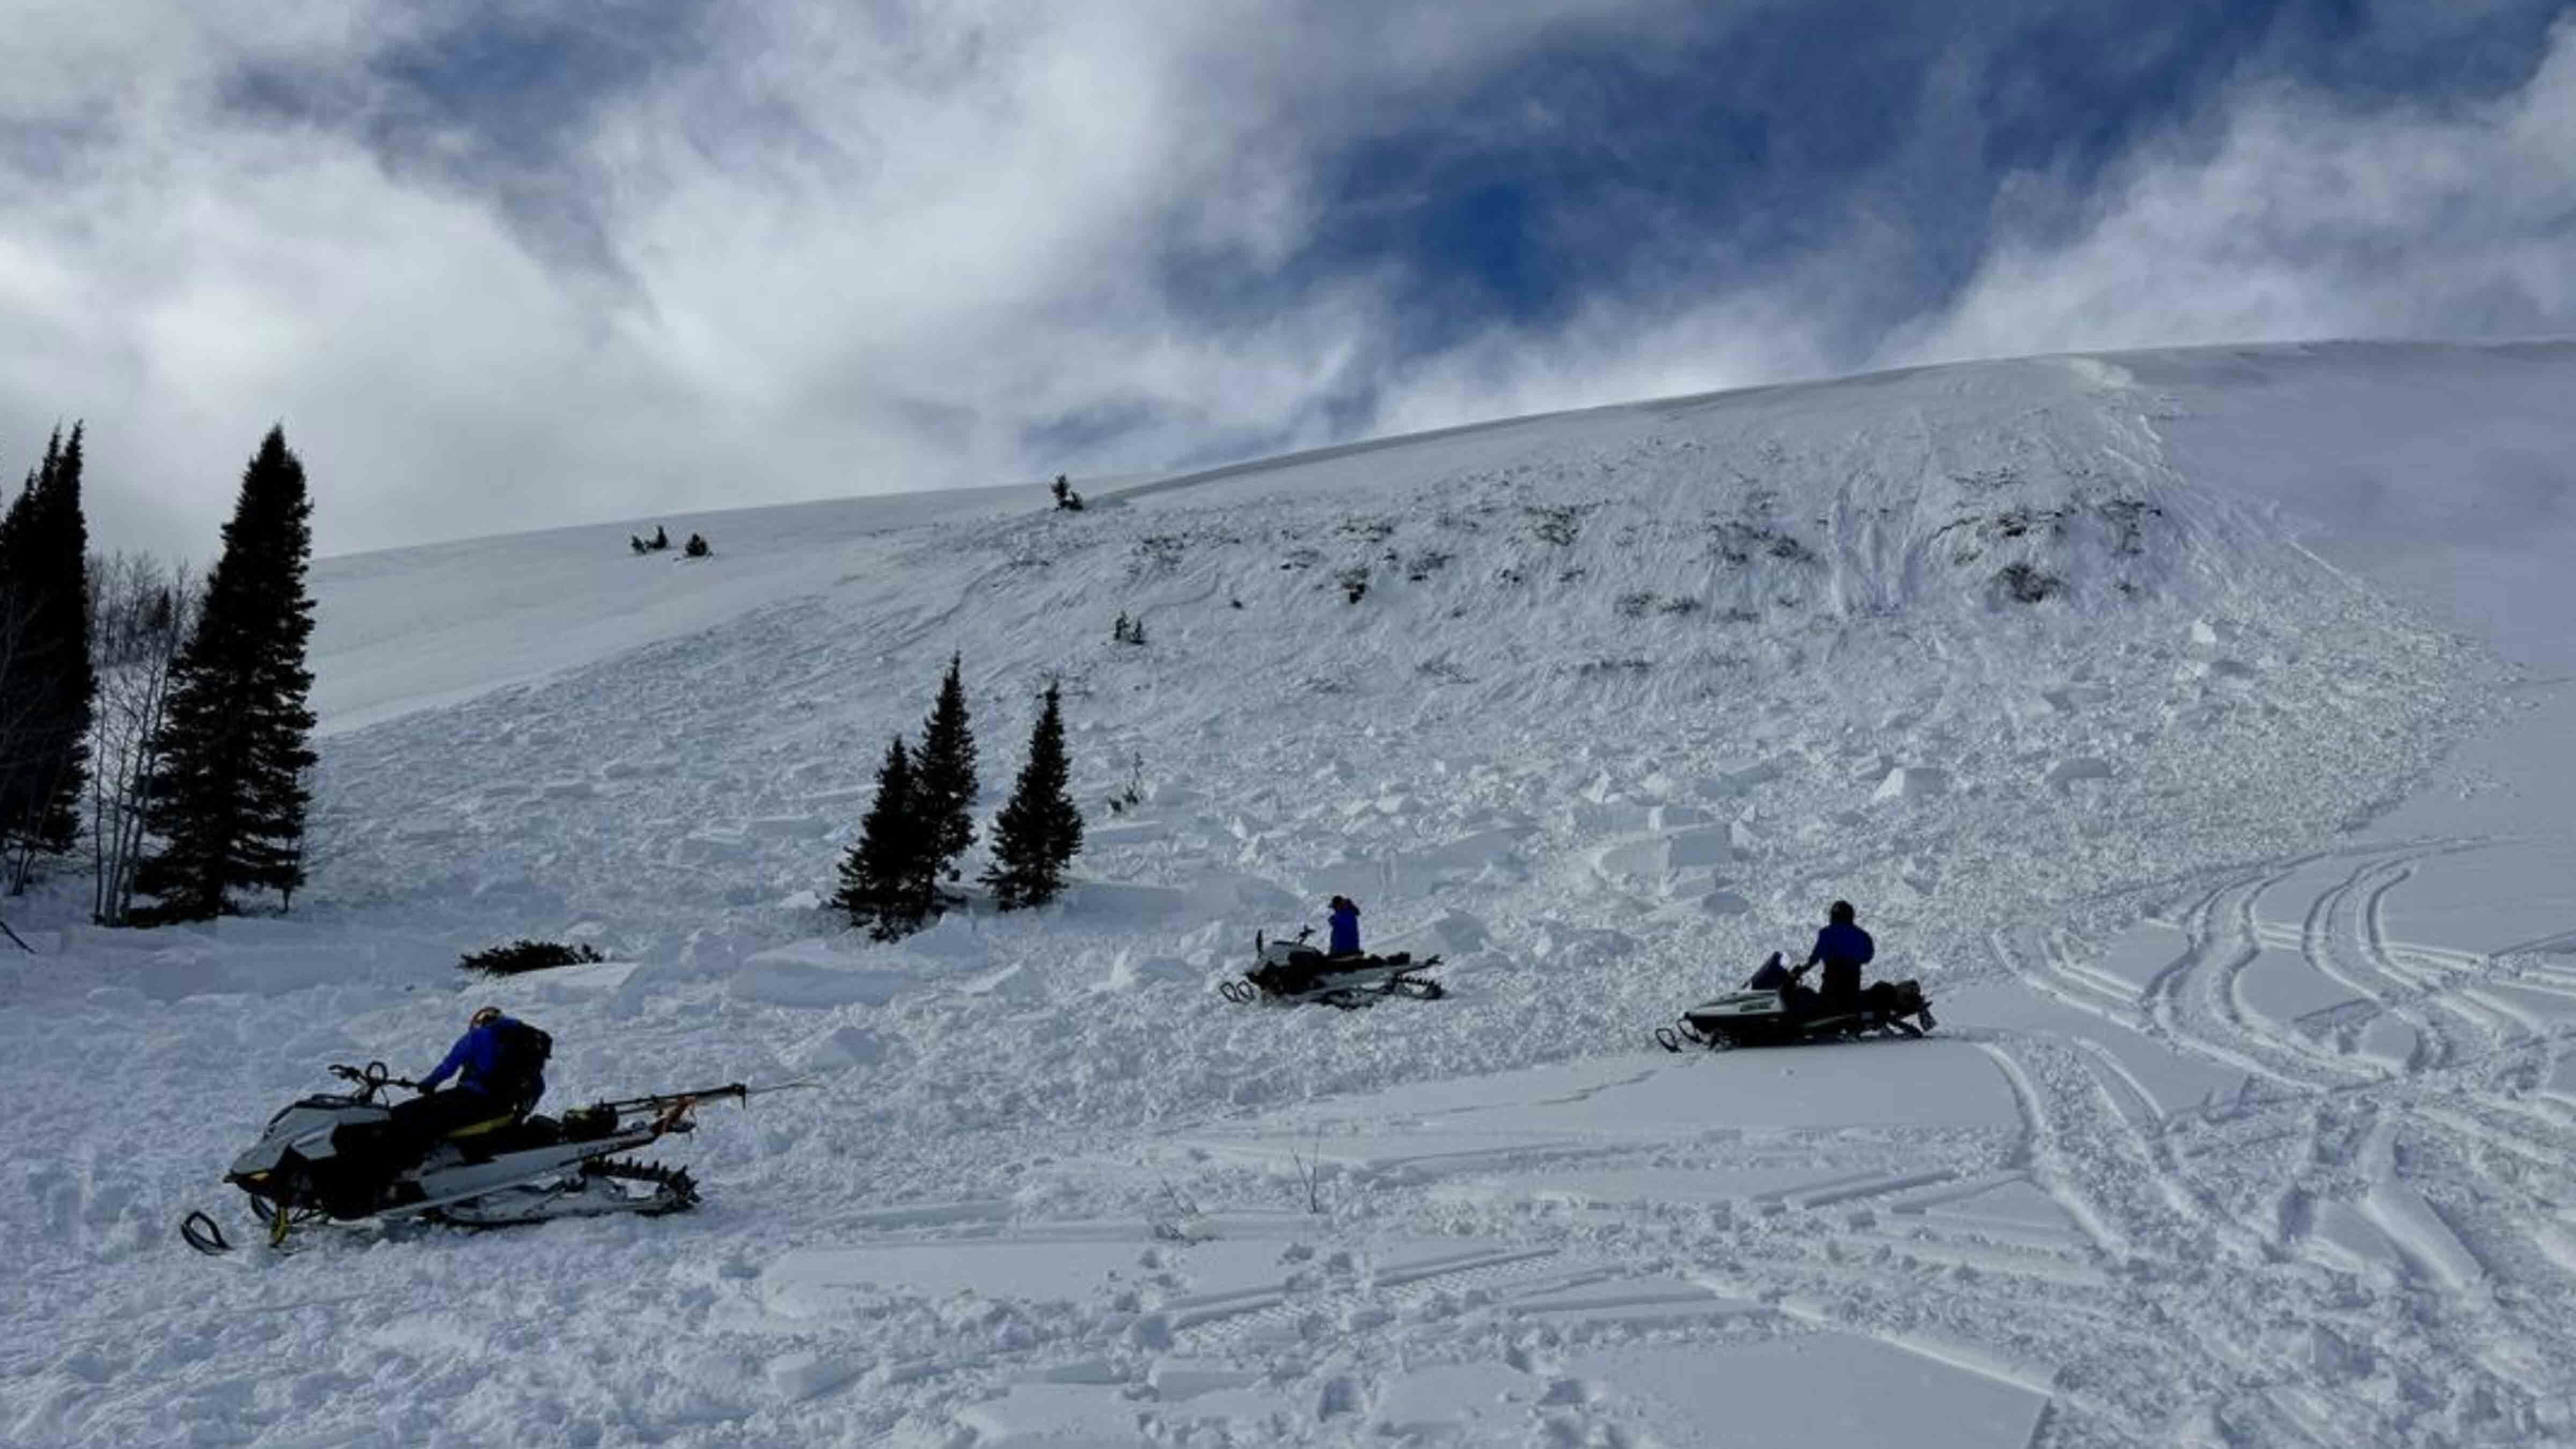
(338, 1157)
(1794, 1013)
(1294, 973)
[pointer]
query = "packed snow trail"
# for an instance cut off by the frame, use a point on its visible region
(2239, 882)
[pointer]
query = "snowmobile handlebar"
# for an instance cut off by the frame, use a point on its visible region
(372, 1078)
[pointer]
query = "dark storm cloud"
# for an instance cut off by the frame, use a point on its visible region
(504, 264)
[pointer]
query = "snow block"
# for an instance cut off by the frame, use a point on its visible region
(708, 847)
(951, 938)
(1129, 971)
(1691, 849)
(1564, 945)
(2067, 772)
(803, 1375)
(1084, 1371)
(1620, 819)
(1465, 858)
(772, 982)
(2215, 673)
(1453, 934)
(1066, 1414)
(1125, 832)
(1119, 901)
(1911, 782)
(842, 1046)
(1737, 779)
(1228, 896)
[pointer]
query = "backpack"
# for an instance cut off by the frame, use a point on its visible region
(521, 1076)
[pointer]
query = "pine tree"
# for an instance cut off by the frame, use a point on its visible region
(885, 880)
(1039, 830)
(944, 780)
(47, 673)
(231, 795)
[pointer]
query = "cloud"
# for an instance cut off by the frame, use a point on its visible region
(2311, 218)
(501, 265)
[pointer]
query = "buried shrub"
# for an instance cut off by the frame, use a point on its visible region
(524, 955)
(2028, 585)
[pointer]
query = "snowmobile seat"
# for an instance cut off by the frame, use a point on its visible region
(489, 1126)
(517, 1126)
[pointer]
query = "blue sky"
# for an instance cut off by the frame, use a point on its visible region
(505, 264)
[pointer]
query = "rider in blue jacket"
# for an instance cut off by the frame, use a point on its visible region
(1844, 948)
(477, 1054)
(484, 1086)
(1346, 928)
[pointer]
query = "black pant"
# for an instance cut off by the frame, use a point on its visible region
(1842, 985)
(419, 1123)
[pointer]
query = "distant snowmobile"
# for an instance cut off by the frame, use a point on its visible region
(332, 1157)
(1294, 973)
(1794, 1014)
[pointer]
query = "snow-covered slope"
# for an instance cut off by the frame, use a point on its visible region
(2188, 722)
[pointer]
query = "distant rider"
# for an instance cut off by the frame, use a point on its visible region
(1844, 948)
(488, 1084)
(1346, 928)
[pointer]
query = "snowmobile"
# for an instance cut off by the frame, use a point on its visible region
(1295, 973)
(1793, 1013)
(338, 1157)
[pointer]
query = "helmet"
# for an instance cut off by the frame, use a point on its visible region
(484, 1016)
(1841, 913)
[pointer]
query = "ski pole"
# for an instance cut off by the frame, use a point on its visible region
(737, 1090)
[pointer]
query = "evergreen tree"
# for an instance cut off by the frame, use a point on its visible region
(230, 798)
(944, 780)
(22, 703)
(1039, 830)
(45, 666)
(885, 879)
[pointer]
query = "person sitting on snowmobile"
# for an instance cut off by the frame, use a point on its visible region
(1843, 948)
(1346, 928)
(492, 1080)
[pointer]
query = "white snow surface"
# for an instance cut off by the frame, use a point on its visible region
(2195, 726)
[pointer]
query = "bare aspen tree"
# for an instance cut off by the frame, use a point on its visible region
(144, 609)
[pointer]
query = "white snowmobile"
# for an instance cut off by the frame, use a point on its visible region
(1294, 973)
(338, 1157)
(1793, 1013)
